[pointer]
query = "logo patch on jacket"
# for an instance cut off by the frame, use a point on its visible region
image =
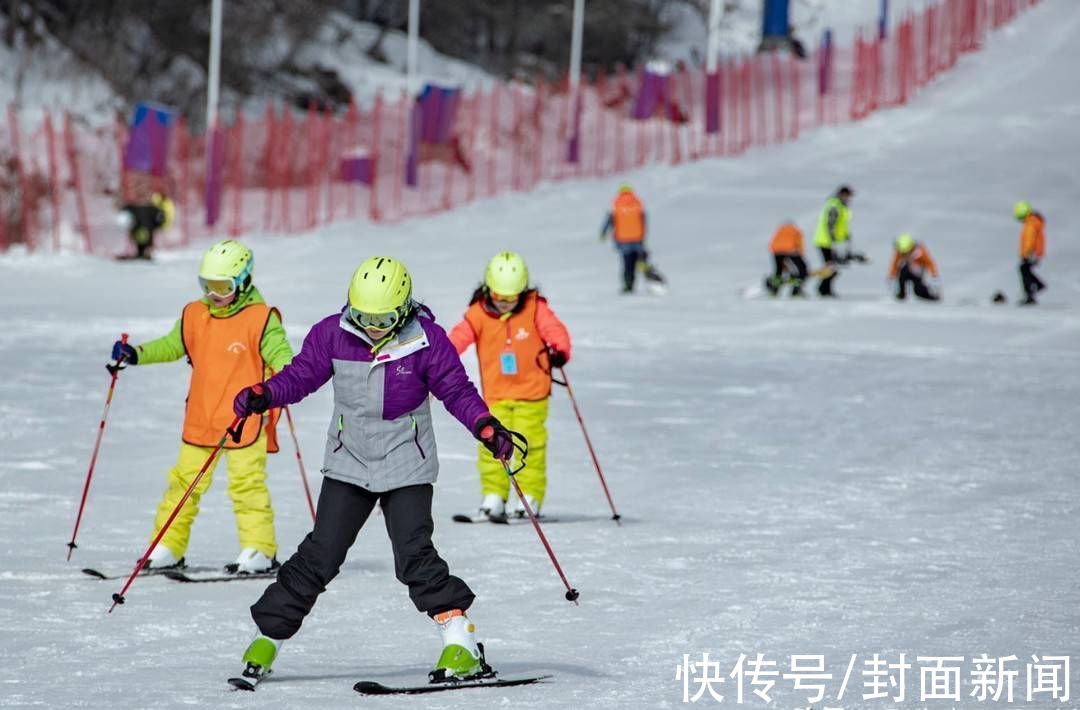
(237, 347)
(522, 334)
(402, 370)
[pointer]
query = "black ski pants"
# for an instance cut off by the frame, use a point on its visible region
(918, 285)
(631, 253)
(343, 510)
(1032, 283)
(825, 287)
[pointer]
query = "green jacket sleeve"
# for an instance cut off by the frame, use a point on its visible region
(274, 348)
(167, 348)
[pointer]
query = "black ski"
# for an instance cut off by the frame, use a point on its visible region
(144, 572)
(516, 520)
(368, 687)
(499, 519)
(462, 518)
(243, 682)
(179, 576)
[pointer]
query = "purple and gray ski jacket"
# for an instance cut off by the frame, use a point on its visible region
(380, 436)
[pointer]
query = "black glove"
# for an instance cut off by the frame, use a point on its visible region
(120, 350)
(557, 358)
(252, 400)
(495, 437)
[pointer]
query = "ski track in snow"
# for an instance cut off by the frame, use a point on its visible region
(825, 478)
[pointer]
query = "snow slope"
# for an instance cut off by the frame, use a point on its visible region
(852, 477)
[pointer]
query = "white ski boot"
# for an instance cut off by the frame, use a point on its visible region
(518, 511)
(491, 507)
(163, 558)
(251, 561)
(462, 658)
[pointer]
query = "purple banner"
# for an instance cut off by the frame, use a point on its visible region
(147, 148)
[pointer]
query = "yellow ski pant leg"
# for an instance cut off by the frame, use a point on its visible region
(251, 498)
(247, 489)
(492, 475)
(180, 476)
(528, 418)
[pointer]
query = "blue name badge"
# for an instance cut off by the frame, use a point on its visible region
(508, 363)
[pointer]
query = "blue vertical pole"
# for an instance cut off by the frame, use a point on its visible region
(775, 19)
(883, 21)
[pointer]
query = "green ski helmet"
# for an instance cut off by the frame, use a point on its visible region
(226, 268)
(506, 274)
(905, 243)
(1022, 209)
(380, 293)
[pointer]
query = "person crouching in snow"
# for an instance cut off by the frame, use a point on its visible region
(514, 331)
(229, 336)
(911, 261)
(385, 355)
(786, 248)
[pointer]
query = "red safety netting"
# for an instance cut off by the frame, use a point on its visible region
(286, 171)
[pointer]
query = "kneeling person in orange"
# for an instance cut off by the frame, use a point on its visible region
(911, 261)
(518, 339)
(789, 266)
(231, 338)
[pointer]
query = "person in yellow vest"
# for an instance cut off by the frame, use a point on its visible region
(518, 340)
(231, 337)
(626, 222)
(832, 232)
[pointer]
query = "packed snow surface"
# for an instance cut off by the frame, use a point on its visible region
(828, 478)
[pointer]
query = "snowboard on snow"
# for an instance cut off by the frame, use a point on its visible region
(368, 687)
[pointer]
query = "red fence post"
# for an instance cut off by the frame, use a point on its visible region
(76, 181)
(54, 181)
(25, 232)
(374, 156)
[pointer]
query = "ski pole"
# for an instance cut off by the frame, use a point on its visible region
(234, 430)
(300, 461)
(113, 370)
(571, 593)
(565, 382)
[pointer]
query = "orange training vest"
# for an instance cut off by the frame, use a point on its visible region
(628, 217)
(786, 240)
(225, 357)
(517, 334)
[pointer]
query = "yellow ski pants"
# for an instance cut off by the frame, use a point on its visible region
(247, 489)
(528, 418)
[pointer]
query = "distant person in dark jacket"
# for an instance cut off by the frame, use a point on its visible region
(143, 220)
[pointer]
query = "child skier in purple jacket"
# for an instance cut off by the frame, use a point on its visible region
(385, 354)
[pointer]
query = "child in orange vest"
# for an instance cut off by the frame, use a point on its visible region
(626, 222)
(1032, 249)
(518, 340)
(789, 266)
(911, 261)
(230, 337)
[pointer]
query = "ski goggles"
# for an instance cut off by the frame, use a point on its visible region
(218, 287)
(375, 321)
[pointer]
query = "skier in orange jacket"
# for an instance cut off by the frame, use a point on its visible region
(1032, 249)
(518, 340)
(911, 261)
(789, 265)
